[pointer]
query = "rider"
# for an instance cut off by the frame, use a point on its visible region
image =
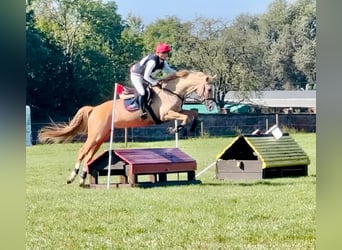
(142, 70)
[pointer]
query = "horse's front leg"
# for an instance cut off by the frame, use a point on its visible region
(194, 115)
(172, 115)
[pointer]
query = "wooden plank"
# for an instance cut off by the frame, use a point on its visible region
(162, 168)
(233, 166)
(157, 160)
(144, 184)
(239, 176)
(286, 163)
(238, 170)
(111, 185)
(153, 155)
(167, 183)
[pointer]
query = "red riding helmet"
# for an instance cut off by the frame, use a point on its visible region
(163, 48)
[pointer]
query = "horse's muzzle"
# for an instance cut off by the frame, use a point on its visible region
(210, 104)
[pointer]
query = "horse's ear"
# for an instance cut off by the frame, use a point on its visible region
(211, 78)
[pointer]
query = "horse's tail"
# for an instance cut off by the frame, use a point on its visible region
(64, 132)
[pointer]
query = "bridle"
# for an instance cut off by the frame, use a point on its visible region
(203, 100)
(182, 98)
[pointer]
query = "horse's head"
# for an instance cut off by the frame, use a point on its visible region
(206, 92)
(187, 82)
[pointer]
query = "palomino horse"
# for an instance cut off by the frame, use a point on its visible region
(97, 121)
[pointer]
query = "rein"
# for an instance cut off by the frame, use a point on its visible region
(205, 99)
(182, 98)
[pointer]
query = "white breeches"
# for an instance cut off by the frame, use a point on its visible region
(137, 82)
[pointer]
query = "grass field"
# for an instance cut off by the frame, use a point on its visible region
(267, 214)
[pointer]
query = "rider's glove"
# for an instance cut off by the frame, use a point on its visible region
(160, 84)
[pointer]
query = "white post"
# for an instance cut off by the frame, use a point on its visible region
(28, 126)
(111, 136)
(176, 134)
(202, 129)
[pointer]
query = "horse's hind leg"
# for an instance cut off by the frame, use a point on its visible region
(75, 171)
(87, 159)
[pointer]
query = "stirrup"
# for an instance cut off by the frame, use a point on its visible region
(143, 114)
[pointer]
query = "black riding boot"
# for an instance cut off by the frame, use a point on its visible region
(142, 103)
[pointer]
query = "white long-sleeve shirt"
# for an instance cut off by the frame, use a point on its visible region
(150, 65)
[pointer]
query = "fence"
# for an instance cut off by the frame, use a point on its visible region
(213, 125)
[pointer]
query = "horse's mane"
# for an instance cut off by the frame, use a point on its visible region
(177, 74)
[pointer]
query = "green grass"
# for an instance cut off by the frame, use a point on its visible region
(267, 214)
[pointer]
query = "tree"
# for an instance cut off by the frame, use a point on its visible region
(161, 30)
(284, 26)
(97, 61)
(45, 70)
(201, 48)
(131, 43)
(231, 51)
(244, 54)
(88, 33)
(168, 30)
(305, 39)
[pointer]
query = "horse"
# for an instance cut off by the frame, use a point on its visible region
(96, 121)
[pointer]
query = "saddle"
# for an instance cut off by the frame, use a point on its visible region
(130, 96)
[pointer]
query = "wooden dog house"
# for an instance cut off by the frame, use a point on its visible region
(262, 156)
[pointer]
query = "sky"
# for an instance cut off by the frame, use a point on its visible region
(150, 10)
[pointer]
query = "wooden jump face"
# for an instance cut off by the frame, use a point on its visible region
(168, 160)
(156, 162)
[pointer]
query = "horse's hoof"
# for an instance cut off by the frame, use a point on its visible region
(82, 183)
(71, 178)
(171, 130)
(179, 128)
(143, 116)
